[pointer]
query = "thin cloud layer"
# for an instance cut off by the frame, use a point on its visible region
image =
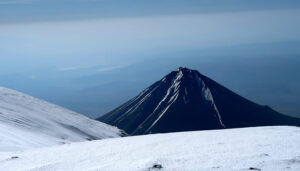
(16, 1)
(20, 11)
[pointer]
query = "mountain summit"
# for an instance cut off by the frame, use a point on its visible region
(186, 100)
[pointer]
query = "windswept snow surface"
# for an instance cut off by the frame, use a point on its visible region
(257, 148)
(27, 122)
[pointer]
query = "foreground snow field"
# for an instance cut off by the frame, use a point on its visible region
(265, 148)
(27, 122)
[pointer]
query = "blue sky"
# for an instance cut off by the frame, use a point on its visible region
(67, 39)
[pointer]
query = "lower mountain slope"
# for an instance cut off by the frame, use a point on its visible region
(186, 100)
(259, 148)
(27, 122)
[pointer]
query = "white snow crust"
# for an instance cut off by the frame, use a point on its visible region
(264, 148)
(27, 122)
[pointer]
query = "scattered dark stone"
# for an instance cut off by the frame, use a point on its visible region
(264, 155)
(253, 168)
(14, 157)
(157, 166)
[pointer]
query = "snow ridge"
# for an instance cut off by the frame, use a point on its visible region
(132, 109)
(174, 90)
(27, 122)
(207, 95)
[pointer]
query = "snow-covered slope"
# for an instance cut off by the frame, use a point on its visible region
(27, 122)
(265, 148)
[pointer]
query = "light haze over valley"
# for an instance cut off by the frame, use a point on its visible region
(95, 55)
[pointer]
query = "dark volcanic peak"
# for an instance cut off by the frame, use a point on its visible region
(185, 81)
(185, 100)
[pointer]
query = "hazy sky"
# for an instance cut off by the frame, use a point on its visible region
(107, 35)
(115, 32)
